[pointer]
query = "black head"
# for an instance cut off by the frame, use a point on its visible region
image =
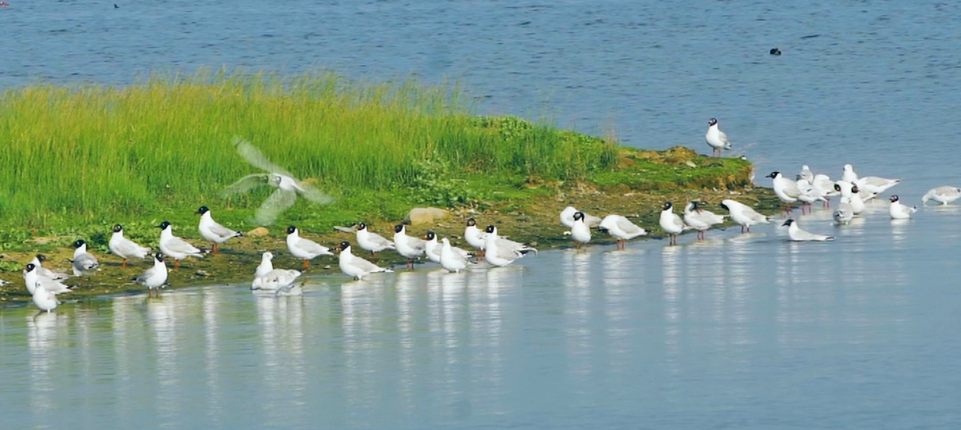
(398, 228)
(362, 226)
(202, 210)
(855, 189)
(578, 216)
(773, 174)
(164, 225)
(117, 228)
(712, 121)
(724, 206)
(837, 187)
(775, 51)
(471, 222)
(159, 257)
(667, 206)
(431, 235)
(894, 198)
(30, 267)
(788, 222)
(41, 258)
(344, 245)
(78, 243)
(291, 229)
(490, 229)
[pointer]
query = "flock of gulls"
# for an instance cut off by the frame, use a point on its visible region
(805, 190)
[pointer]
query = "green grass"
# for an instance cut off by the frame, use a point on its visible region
(77, 159)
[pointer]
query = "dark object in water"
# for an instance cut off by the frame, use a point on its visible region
(775, 51)
(810, 36)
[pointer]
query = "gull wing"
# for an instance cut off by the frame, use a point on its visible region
(311, 193)
(257, 158)
(364, 265)
(416, 243)
(146, 274)
(179, 245)
(246, 183)
(279, 201)
(628, 227)
(221, 231)
(311, 246)
(379, 240)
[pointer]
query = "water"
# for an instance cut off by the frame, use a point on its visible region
(738, 332)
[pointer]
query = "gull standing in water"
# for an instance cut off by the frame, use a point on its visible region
(852, 194)
(433, 248)
(355, 266)
(621, 228)
(31, 278)
(474, 236)
(700, 219)
(716, 138)
(287, 186)
(155, 277)
(408, 246)
(451, 259)
(212, 230)
(580, 232)
(944, 194)
(567, 218)
(798, 235)
(125, 248)
(501, 252)
(671, 223)
(173, 246)
(786, 190)
(45, 300)
(304, 249)
(84, 263)
(900, 211)
(743, 214)
(266, 278)
(372, 242)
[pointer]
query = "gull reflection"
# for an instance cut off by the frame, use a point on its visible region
(42, 337)
(162, 318)
(899, 229)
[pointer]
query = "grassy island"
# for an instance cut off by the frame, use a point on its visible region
(77, 159)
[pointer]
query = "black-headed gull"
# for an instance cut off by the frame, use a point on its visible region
(567, 218)
(501, 252)
(84, 263)
(580, 232)
(900, 211)
(175, 247)
(304, 249)
(671, 223)
(125, 248)
(743, 214)
(31, 278)
(155, 277)
(716, 138)
(785, 189)
(409, 247)
(371, 241)
(852, 194)
(475, 236)
(287, 186)
(355, 266)
(796, 234)
(700, 219)
(45, 272)
(212, 230)
(432, 248)
(944, 194)
(621, 228)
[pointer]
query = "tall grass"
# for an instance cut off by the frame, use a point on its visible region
(92, 152)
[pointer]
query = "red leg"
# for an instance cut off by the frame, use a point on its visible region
(124, 264)
(214, 250)
(306, 264)
(176, 264)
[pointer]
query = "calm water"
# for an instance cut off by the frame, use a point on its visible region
(738, 332)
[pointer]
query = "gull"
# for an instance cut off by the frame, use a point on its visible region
(743, 214)
(265, 264)
(408, 246)
(125, 248)
(305, 249)
(806, 174)
(848, 175)
(808, 195)
(899, 210)
(433, 249)
(852, 194)
(875, 185)
(450, 257)
(45, 300)
(844, 214)
(824, 187)
(567, 218)
(798, 235)
(31, 278)
(700, 219)
(155, 277)
(716, 138)
(173, 246)
(287, 186)
(474, 236)
(944, 194)
(84, 263)
(671, 223)
(580, 232)
(501, 252)
(621, 228)
(45, 272)
(785, 189)
(354, 266)
(212, 230)
(372, 242)
(273, 280)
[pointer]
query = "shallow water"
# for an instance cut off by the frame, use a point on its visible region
(741, 331)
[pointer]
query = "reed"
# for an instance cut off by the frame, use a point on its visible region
(94, 154)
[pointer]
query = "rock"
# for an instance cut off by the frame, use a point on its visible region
(419, 216)
(257, 232)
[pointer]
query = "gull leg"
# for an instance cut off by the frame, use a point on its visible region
(176, 264)
(214, 248)
(306, 264)
(124, 264)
